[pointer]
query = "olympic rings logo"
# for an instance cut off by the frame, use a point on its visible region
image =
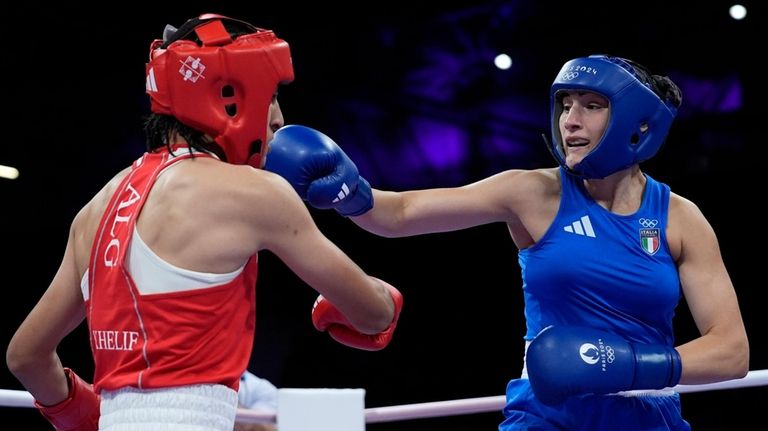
(648, 222)
(610, 356)
(569, 76)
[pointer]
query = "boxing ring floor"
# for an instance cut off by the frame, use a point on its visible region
(490, 404)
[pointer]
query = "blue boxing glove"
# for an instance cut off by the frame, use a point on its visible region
(318, 170)
(566, 361)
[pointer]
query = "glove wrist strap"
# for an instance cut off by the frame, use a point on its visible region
(360, 202)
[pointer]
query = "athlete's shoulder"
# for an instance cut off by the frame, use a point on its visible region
(546, 177)
(86, 221)
(534, 178)
(246, 182)
(685, 216)
(98, 203)
(537, 182)
(688, 227)
(682, 206)
(522, 191)
(236, 191)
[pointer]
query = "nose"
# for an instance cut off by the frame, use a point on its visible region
(572, 118)
(277, 121)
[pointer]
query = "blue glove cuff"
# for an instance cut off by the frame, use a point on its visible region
(359, 202)
(656, 366)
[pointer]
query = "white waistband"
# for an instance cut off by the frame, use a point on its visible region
(189, 408)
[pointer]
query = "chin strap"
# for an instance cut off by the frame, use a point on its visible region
(554, 156)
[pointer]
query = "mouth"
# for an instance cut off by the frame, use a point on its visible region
(576, 143)
(577, 147)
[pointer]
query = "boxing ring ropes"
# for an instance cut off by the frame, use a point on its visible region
(13, 398)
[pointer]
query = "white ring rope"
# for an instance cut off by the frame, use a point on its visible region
(496, 403)
(11, 398)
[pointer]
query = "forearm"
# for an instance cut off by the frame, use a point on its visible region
(419, 212)
(43, 376)
(713, 357)
(385, 218)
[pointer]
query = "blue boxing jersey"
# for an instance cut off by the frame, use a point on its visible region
(603, 270)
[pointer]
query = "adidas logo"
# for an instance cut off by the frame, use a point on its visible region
(317, 301)
(342, 193)
(581, 226)
(151, 83)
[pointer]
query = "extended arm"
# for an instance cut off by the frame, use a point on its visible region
(325, 177)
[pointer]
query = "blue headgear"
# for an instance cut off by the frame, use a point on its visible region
(639, 121)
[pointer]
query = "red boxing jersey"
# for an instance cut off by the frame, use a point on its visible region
(162, 339)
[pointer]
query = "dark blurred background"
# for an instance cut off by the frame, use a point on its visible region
(412, 94)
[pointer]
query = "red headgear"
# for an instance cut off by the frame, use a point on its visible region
(222, 86)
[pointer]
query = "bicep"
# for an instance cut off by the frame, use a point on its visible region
(704, 278)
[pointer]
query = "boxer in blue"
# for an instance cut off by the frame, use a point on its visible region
(606, 252)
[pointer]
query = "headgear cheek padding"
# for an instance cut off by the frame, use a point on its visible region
(639, 120)
(222, 86)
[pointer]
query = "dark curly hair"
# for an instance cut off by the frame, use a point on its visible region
(663, 86)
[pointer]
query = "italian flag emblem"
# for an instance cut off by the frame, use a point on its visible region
(650, 240)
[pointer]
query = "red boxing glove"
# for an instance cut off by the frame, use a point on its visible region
(79, 411)
(325, 316)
